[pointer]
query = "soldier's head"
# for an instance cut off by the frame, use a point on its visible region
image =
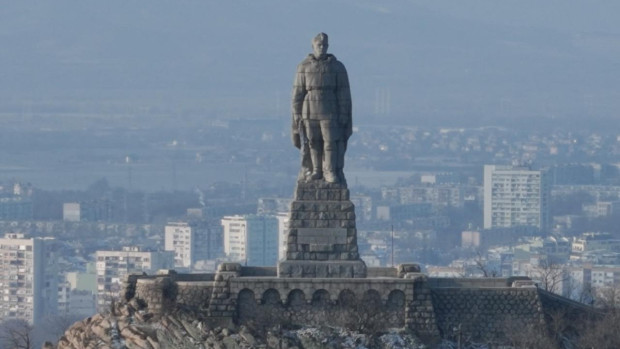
(319, 45)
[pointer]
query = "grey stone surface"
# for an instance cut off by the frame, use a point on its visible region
(322, 269)
(480, 308)
(322, 236)
(321, 108)
(322, 230)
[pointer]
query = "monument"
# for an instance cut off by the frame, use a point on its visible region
(322, 237)
(322, 281)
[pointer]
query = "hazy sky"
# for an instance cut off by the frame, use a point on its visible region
(451, 61)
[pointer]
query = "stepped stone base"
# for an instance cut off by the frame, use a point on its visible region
(322, 269)
(322, 237)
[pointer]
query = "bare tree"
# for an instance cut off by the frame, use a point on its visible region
(529, 336)
(16, 334)
(482, 265)
(608, 298)
(550, 275)
(578, 291)
(600, 333)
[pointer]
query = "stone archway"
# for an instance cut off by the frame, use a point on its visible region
(296, 298)
(396, 300)
(320, 298)
(347, 299)
(271, 297)
(246, 306)
(372, 298)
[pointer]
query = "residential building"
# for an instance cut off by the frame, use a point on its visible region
(71, 212)
(251, 239)
(15, 208)
(283, 220)
(515, 197)
(28, 278)
(191, 242)
(178, 238)
(273, 205)
(589, 242)
(601, 209)
(113, 267)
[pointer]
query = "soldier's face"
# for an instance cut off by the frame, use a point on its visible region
(320, 48)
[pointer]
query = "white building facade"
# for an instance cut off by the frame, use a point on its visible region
(28, 278)
(251, 239)
(114, 266)
(179, 238)
(515, 196)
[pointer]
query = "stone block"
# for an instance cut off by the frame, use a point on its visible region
(293, 255)
(345, 194)
(347, 224)
(321, 248)
(322, 195)
(333, 223)
(322, 223)
(347, 206)
(308, 223)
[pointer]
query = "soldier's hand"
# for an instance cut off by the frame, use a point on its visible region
(296, 140)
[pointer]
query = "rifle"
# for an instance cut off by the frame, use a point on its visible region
(304, 149)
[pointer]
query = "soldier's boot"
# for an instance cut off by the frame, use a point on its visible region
(330, 175)
(317, 172)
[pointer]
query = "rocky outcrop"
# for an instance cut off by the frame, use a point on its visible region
(132, 325)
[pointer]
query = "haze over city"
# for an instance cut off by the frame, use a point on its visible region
(139, 136)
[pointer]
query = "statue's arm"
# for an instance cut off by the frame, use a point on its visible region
(344, 101)
(299, 93)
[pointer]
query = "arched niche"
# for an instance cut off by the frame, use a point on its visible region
(320, 298)
(271, 297)
(246, 305)
(347, 298)
(296, 298)
(372, 298)
(396, 300)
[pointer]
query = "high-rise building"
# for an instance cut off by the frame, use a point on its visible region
(251, 239)
(191, 242)
(283, 226)
(71, 212)
(515, 197)
(28, 278)
(15, 208)
(114, 266)
(178, 237)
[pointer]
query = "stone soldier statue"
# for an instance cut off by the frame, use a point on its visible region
(322, 121)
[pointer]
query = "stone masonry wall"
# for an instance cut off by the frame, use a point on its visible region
(477, 309)
(485, 313)
(322, 223)
(370, 304)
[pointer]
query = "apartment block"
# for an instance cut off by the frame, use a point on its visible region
(114, 266)
(515, 197)
(251, 239)
(191, 242)
(28, 278)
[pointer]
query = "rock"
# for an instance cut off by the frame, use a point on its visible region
(273, 342)
(230, 343)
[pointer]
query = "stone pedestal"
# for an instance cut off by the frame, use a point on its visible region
(322, 238)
